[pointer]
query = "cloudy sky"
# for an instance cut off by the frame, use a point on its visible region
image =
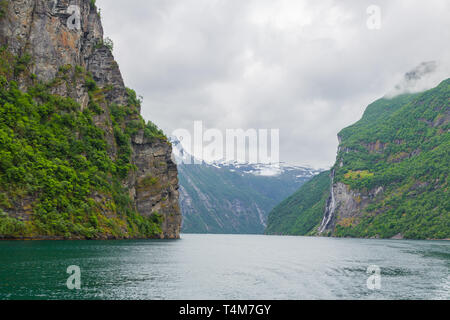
(307, 67)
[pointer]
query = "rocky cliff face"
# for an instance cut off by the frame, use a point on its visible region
(345, 205)
(55, 34)
(154, 161)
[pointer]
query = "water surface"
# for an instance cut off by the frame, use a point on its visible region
(225, 267)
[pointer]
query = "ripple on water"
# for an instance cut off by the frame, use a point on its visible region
(226, 267)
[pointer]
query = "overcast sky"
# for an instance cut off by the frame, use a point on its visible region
(309, 68)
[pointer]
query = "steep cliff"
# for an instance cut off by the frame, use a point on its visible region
(54, 49)
(391, 175)
(390, 179)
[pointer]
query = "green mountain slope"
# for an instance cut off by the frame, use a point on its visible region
(404, 154)
(303, 211)
(391, 174)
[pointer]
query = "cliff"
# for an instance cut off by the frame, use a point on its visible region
(390, 179)
(56, 49)
(391, 175)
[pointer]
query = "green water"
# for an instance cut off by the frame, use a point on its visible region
(226, 267)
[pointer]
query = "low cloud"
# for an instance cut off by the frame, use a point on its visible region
(421, 78)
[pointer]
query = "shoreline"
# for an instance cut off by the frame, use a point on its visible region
(106, 238)
(54, 238)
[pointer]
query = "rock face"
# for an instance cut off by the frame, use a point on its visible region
(345, 205)
(154, 161)
(59, 33)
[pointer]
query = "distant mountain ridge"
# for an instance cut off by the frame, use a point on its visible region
(233, 197)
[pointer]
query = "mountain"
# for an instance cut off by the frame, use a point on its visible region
(390, 179)
(77, 160)
(233, 198)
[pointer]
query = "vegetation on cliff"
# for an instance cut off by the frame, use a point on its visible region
(55, 163)
(403, 146)
(394, 166)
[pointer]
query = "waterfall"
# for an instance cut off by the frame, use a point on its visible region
(331, 207)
